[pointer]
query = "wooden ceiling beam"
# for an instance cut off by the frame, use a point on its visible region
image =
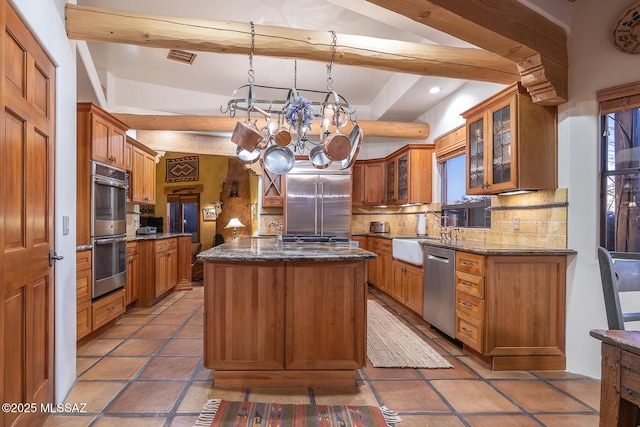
(117, 26)
(506, 28)
(406, 130)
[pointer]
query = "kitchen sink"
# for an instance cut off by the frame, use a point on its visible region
(407, 250)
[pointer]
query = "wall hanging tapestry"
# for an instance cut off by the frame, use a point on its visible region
(223, 413)
(184, 169)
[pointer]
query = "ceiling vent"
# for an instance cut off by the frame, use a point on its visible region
(181, 56)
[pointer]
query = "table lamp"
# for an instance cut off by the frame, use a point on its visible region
(235, 224)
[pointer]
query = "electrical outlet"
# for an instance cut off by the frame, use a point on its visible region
(516, 223)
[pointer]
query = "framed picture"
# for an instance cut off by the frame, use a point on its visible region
(209, 214)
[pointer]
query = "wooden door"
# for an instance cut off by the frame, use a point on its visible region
(374, 187)
(414, 282)
(357, 185)
(100, 130)
(398, 281)
(133, 273)
(117, 143)
(161, 271)
(27, 149)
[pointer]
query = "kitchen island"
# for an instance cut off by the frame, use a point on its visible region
(284, 315)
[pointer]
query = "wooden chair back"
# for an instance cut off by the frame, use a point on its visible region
(620, 272)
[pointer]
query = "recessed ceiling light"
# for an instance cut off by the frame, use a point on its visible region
(435, 89)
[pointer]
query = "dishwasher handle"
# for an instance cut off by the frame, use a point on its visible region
(437, 258)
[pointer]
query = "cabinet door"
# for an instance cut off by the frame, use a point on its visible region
(100, 133)
(374, 188)
(501, 170)
(402, 194)
(128, 157)
(132, 287)
(414, 288)
(476, 182)
(325, 316)
(398, 281)
(358, 185)
(161, 273)
(387, 272)
(172, 268)
(117, 143)
(149, 180)
(391, 182)
(137, 178)
(245, 316)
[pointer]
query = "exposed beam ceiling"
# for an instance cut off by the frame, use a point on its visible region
(507, 28)
(115, 26)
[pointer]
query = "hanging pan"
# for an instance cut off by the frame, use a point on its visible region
(356, 136)
(318, 157)
(337, 145)
(278, 160)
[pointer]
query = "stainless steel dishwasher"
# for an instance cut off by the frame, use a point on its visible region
(439, 300)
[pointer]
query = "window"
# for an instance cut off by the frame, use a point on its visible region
(620, 192)
(461, 209)
(183, 215)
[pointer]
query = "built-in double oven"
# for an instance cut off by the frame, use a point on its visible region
(108, 228)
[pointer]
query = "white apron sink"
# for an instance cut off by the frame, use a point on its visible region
(407, 250)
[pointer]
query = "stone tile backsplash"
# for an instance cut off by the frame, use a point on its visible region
(541, 218)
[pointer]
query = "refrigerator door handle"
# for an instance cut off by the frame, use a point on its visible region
(321, 208)
(315, 210)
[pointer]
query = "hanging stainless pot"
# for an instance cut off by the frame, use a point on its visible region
(278, 160)
(333, 112)
(248, 157)
(318, 157)
(356, 136)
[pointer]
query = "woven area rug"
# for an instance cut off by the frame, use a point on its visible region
(224, 413)
(391, 344)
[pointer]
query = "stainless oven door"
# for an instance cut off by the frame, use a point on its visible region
(109, 207)
(109, 264)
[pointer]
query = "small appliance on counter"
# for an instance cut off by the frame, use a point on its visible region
(378, 227)
(147, 229)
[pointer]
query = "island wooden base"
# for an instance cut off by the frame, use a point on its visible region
(518, 363)
(285, 323)
(285, 378)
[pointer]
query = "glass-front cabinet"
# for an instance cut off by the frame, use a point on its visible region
(511, 144)
(409, 174)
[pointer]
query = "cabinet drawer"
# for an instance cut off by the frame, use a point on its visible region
(107, 308)
(165, 244)
(83, 286)
(271, 201)
(83, 260)
(469, 331)
(83, 319)
(472, 306)
(380, 245)
(470, 263)
(132, 248)
(470, 284)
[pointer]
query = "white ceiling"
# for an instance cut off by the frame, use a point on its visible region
(142, 80)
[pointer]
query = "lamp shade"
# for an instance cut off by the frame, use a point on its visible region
(234, 223)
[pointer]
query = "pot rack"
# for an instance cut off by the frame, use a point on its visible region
(244, 99)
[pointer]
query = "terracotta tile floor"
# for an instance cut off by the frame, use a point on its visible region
(147, 371)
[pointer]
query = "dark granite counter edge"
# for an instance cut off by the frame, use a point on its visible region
(81, 248)
(285, 257)
(475, 246)
(157, 236)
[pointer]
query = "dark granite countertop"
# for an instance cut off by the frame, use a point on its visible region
(81, 248)
(266, 249)
(156, 236)
(477, 246)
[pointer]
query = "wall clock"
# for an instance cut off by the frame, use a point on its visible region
(626, 32)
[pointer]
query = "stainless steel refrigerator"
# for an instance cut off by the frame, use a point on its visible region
(318, 201)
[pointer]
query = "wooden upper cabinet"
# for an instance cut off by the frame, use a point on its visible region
(107, 135)
(368, 185)
(273, 189)
(408, 174)
(511, 144)
(142, 181)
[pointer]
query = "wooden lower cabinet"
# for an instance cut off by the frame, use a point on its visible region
(83, 293)
(184, 264)
(132, 287)
(408, 285)
(107, 308)
(380, 273)
(159, 262)
(292, 324)
(511, 312)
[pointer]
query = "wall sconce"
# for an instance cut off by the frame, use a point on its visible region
(235, 224)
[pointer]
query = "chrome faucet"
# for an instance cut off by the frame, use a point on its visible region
(444, 231)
